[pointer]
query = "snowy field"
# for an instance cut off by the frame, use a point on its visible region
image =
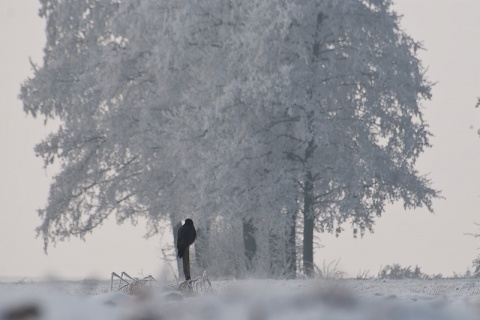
(252, 300)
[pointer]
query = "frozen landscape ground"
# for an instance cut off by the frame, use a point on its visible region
(248, 299)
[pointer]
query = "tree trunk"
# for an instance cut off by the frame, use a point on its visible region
(249, 242)
(175, 237)
(275, 263)
(308, 206)
(201, 244)
(291, 247)
(308, 227)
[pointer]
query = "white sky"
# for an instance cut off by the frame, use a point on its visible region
(450, 30)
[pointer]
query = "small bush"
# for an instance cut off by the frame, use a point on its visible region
(476, 267)
(329, 271)
(397, 272)
(363, 275)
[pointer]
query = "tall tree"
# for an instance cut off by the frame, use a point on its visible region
(230, 112)
(130, 143)
(339, 100)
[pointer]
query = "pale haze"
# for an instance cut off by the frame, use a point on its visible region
(437, 242)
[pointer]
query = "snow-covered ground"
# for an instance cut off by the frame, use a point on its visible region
(248, 299)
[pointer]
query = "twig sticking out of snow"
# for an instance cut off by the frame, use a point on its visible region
(130, 285)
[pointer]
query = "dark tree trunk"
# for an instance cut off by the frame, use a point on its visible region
(308, 206)
(249, 242)
(291, 247)
(308, 227)
(275, 261)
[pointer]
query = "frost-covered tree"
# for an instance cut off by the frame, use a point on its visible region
(115, 75)
(361, 127)
(230, 111)
(338, 97)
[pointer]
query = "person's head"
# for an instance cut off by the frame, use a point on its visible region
(189, 222)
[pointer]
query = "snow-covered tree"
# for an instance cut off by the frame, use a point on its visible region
(338, 97)
(230, 111)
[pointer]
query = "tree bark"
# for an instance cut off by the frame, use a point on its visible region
(249, 242)
(201, 244)
(308, 227)
(308, 206)
(291, 247)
